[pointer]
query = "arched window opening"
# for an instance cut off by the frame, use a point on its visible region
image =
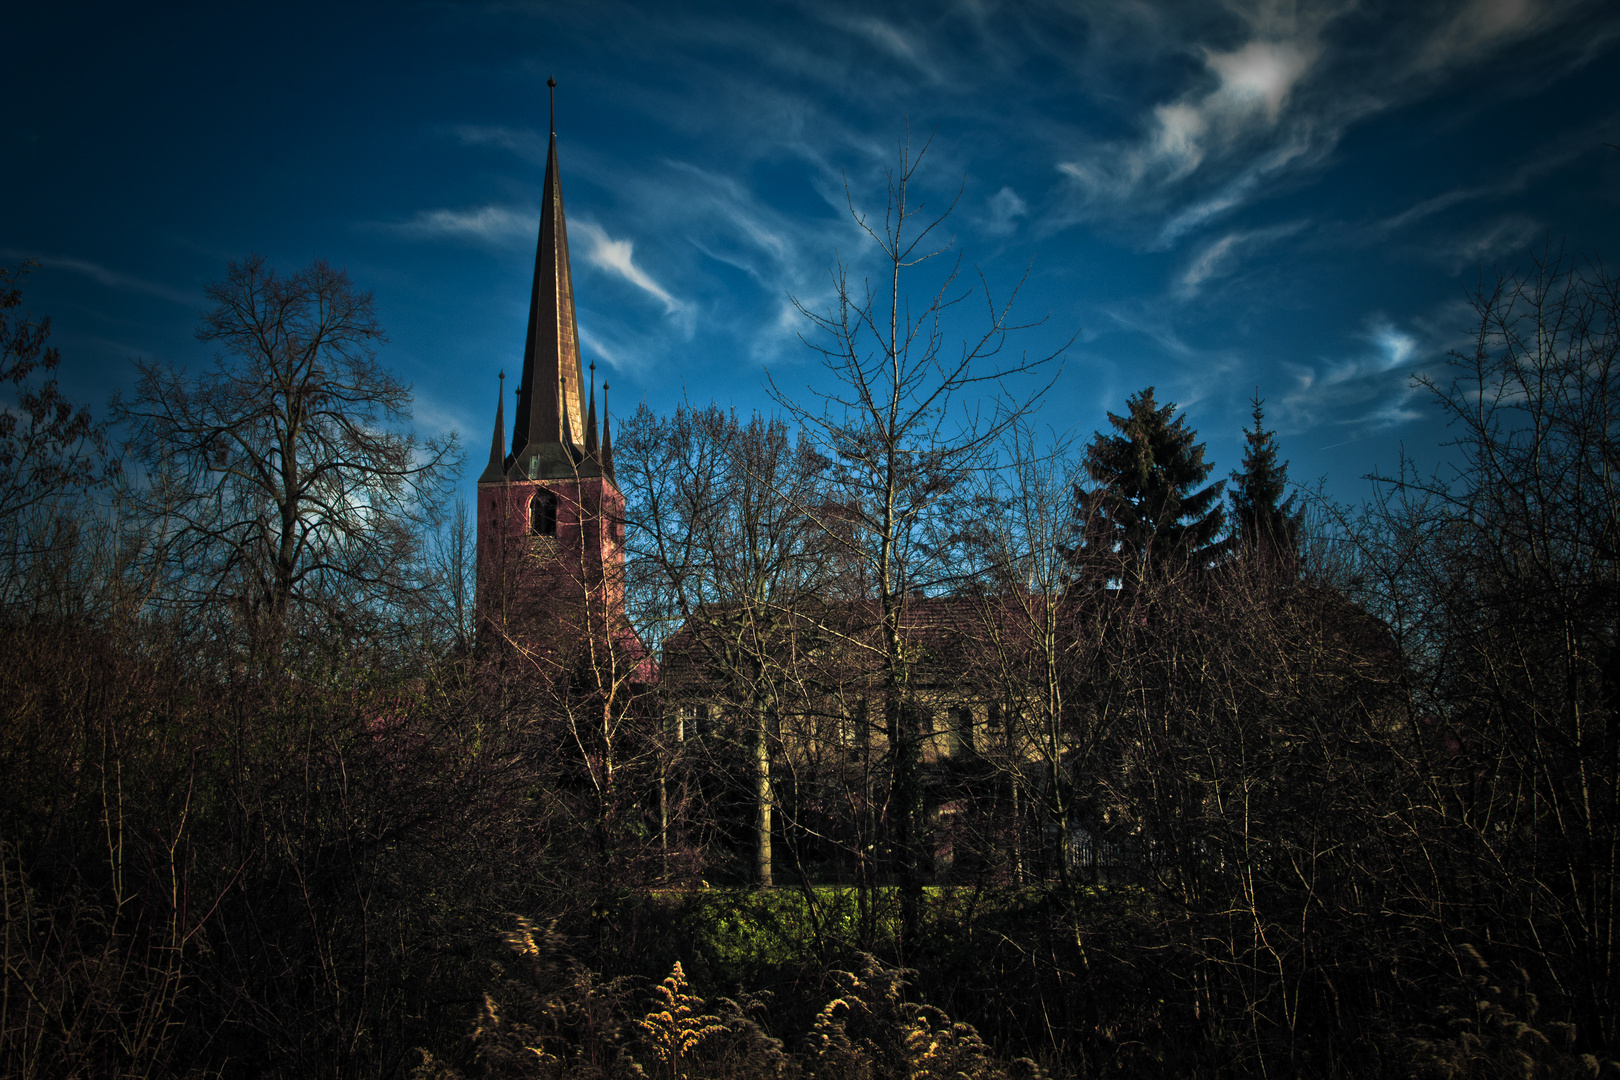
(543, 514)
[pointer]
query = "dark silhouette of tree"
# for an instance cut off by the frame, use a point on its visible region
(1262, 520)
(1502, 582)
(276, 483)
(47, 443)
(1147, 507)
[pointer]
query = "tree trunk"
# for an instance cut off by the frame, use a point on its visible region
(762, 797)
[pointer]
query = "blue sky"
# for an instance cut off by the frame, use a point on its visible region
(1207, 197)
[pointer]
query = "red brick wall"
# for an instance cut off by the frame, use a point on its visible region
(532, 587)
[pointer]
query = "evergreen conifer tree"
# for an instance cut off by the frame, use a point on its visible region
(1147, 506)
(1260, 522)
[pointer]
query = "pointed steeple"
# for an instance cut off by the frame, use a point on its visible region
(590, 419)
(607, 440)
(549, 406)
(496, 471)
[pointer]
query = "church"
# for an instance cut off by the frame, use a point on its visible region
(550, 513)
(551, 557)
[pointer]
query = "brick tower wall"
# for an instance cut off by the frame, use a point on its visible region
(536, 588)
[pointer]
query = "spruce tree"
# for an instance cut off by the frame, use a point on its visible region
(1260, 522)
(1147, 507)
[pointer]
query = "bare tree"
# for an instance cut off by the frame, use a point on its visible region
(1031, 639)
(1503, 582)
(902, 430)
(274, 482)
(450, 622)
(725, 552)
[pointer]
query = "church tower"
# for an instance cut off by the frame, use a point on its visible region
(550, 515)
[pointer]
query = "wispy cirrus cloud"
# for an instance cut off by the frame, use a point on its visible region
(618, 257)
(1501, 238)
(1371, 389)
(897, 42)
(1476, 28)
(699, 224)
(1217, 258)
(1271, 90)
(103, 275)
(1237, 107)
(1546, 158)
(526, 143)
(491, 225)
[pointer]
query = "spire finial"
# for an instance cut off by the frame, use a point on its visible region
(551, 82)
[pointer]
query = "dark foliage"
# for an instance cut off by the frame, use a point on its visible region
(1146, 505)
(1262, 518)
(49, 446)
(1348, 811)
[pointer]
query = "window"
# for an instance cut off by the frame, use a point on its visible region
(543, 514)
(964, 730)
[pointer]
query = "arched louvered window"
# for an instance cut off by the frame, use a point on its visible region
(543, 514)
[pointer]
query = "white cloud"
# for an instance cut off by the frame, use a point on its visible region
(1276, 96)
(1500, 239)
(497, 226)
(1258, 77)
(1476, 27)
(1546, 158)
(1217, 257)
(618, 257)
(436, 418)
(1208, 262)
(1252, 86)
(1371, 389)
(610, 354)
(1253, 83)
(1005, 207)
(1395, 346)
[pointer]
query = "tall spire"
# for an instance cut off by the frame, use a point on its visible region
(549, 406)
(496, 470)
